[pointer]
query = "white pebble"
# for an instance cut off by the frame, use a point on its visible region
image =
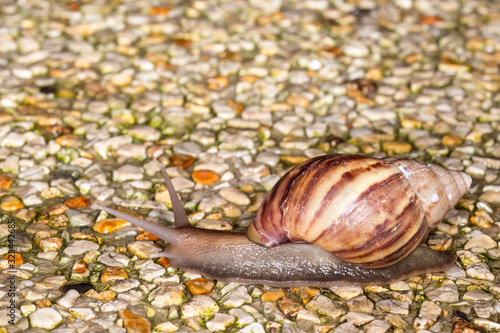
(46, 318)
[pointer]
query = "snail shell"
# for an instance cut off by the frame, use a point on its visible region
(367, 211)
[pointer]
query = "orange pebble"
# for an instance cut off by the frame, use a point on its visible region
(5, 181)
(200, 286)
(163, 261)
(77, 202)
(109, 225)
(146, 236)
(205, 177)
(181, 161)
(13, 259)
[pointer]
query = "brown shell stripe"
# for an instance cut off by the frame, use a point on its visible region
(310, 199)
(345, 179)
(394, 242)
(268, 223)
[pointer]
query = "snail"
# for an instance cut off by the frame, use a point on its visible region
(332, 220)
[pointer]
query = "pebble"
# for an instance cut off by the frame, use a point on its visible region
(347, 292)
(47, 318)
(83, 313)
(68, 299)
(325, 306)
(237, 297)
(234, 196)
(113, 274)
(124, 285)
(357, 318)
(393, 306)
(167, 295)
(220, 322)
(477, 295)
(377, 326)
(483, 241)
(143, 249)
(445, 294)
(200, 286)
(134, 323)
(151, 271)
(202, 306)
(480, 271)
(78, 247)
(128, 172)
(360, 304)
(10, 203)
(109, 225)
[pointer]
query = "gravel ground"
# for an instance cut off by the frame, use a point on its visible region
(229, 95)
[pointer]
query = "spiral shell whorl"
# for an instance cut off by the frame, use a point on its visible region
(363, 210)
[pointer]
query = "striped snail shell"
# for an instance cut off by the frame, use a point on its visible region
(367, 211)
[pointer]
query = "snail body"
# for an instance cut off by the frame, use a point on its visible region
(289, 258)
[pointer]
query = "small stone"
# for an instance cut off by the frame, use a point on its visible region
(477, 295)
(325, 306)
(10, 203)
(237, 297)
(79, 270)
(144, 133)
(112, 274)
(220, 322)
(166, 327)
(360, 304)
(272, 296)
(428, 315)
(480, 271)
(102, 193)
(393, 306)
(483, 241)
(181, 161)
(445, 294)
(234, 196)
(347, 292)
(82, 313)
(488, 324)
(121, 79)
(377, 326)
(125, 285)
(103, 296)
(202, 306)
(289, 307)
(200, 286)
(13, 140)
(357, 318)
(451, 140)
(109, 225)
(490, 196)
(143, 249)
(77, 202)
(69, 298)
(5, 181)
(151, 272)
(78, 247)
(346, 328)
(167, 295)
(204, 177)
(47, 318)
(396, 148)
(128, 172)
(113, 259)
(243, 318)
(134, 323)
